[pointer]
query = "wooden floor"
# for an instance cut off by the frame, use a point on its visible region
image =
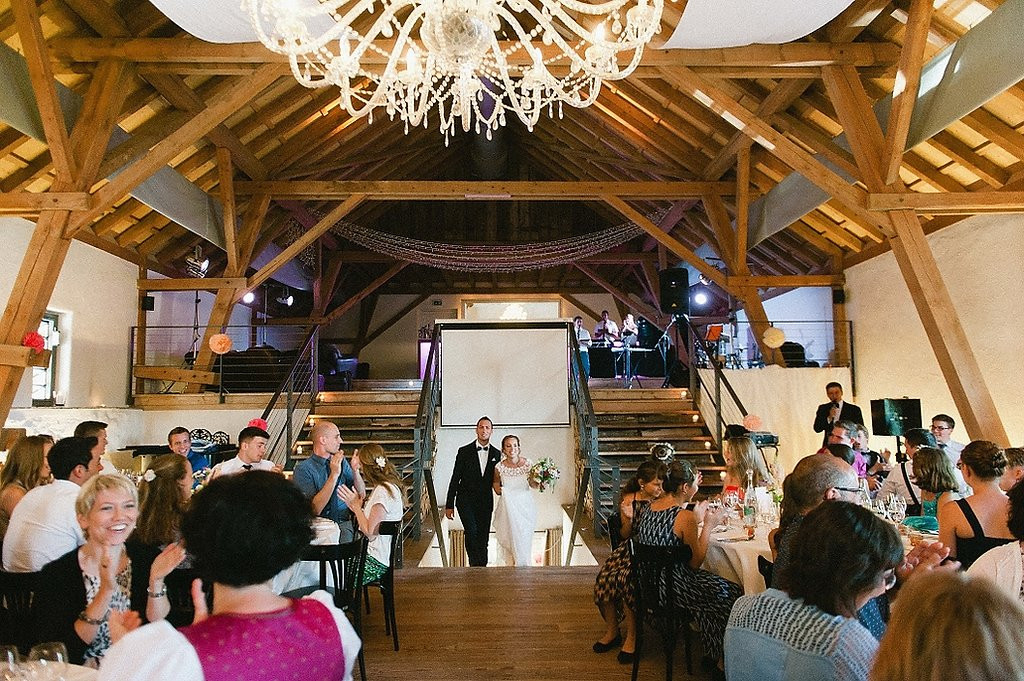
(500, 623)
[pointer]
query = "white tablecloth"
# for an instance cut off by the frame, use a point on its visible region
(732, 556)
(306, 573)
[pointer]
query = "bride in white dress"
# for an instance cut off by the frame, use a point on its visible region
(516, 514)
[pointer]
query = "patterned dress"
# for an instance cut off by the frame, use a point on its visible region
(613, 583)
(708, 597)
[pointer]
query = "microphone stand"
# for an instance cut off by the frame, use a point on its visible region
(663, 344)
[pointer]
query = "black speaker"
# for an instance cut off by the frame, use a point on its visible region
(148, 303)
(838, 296)
(675, 290)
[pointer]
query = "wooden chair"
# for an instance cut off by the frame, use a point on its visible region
(386, 583)
(17, 593)
(344, 562)
(655, 596)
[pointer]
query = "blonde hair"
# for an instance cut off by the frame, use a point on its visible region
(102, 483)
(745, 457)
(952, 625)
(373, 473)
(25, 462)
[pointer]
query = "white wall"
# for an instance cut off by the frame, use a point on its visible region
(813, 307)
(981, 260)
(96, 296)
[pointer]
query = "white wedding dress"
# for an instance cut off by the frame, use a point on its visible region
(516, 515)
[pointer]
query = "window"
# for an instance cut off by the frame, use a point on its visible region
(44, 379)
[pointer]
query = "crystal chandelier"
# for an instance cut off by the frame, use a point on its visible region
(474, 61)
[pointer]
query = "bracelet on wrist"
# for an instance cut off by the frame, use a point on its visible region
(158, 593)
(94, 622)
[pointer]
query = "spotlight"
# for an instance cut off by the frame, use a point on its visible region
(286, 298)
(195, 264)
(700, 298)
(248, 297)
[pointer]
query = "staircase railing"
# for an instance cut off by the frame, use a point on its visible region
(588, 461)
(715, 395)
(293, 401)
(424, 444)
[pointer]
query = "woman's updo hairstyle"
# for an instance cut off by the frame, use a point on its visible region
(647, 471)
(985, 459)
(679, 473)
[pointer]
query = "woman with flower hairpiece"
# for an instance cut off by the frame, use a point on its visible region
(385, 502)
(516, 513)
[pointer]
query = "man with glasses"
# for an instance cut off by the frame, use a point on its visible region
(942, 429)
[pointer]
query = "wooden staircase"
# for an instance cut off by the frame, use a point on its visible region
(629, 421)
(383, 412)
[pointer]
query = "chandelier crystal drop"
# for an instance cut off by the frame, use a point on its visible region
(470, 62)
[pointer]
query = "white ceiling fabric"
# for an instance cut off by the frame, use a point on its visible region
(705, 23)
(732, 23)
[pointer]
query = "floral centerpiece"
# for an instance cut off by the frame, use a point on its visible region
(544, 474)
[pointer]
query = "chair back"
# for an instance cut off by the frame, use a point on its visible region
(652, 568)
(614, 524)
(17, 593)
(393, 529)
(344, 563)
(767, 570)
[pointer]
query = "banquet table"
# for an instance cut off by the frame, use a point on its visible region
(731, 555)
(306, 573)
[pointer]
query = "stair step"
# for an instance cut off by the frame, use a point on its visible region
(382, 409)
(362, 396)
(644, 407)
(639, 393)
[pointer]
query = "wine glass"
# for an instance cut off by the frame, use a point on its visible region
(48, 661)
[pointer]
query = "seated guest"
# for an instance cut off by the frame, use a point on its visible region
(325, 472)
(741, 457)
(1014, 468)
(876, 470)
(26, 468)
(948, 625)
(241, 531)
(668, 522)
(252, 447)
(386, 502)
(845, 433)
(164, 492)
(85, 587)
(180, 442)
(842, 557)
(1003, 564)
(972, 526)
(934, 476)
(613, 588)
(942, 429)
(900, 480)
(98, 430)
(44, 525)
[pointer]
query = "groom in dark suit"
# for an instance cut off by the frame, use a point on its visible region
(834, 411)
(470, 490)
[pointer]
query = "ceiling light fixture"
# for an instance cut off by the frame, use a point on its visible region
(195, 264)
(473, 61)
(286, 298)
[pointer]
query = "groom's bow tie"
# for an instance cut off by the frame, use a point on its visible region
(482, 449)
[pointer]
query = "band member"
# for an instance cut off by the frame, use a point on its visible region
(630, 330)
(606, 330)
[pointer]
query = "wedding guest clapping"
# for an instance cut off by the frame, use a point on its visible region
(94, 584)
(385, 502)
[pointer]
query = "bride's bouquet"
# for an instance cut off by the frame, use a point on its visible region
(544, 474)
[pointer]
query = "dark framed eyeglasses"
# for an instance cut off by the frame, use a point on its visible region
(940, 428)
(855, 490)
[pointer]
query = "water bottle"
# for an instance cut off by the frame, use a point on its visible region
(750, 506)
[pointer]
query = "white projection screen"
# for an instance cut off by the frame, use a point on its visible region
(514, 372)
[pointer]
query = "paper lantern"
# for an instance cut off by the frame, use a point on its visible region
(752, 422)
(220, 343)
(774, 337)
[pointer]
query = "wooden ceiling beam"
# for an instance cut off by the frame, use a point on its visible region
(27, 19)
(499, 190)
(944, 203)
(355, 299)
(219, 108)
(908, 78)
(21, 203)
(961, 152)
(621, 297)
(193, 50)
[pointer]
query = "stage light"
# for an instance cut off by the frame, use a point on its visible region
(286, 298)
(248, 297)
(700, 298)
(195, 264)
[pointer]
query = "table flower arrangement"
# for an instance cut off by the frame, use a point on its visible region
(544, 474)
